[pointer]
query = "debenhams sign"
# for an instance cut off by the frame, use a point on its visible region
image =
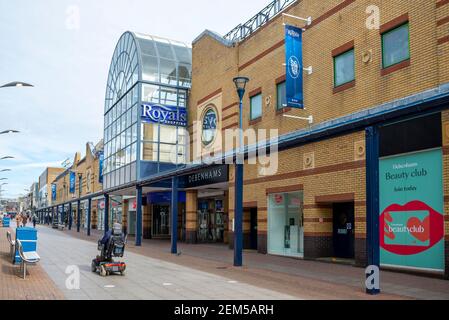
(212, 175)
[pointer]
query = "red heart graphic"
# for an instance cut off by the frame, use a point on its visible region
(425, 225)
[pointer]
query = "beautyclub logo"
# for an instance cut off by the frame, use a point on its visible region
(410, 229)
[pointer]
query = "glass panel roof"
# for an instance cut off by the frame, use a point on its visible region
(140, 57)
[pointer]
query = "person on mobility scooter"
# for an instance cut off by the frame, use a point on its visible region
(112, 245)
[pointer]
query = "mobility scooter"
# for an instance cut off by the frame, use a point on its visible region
(112, 245)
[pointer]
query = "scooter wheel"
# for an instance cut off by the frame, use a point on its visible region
(93, 266)
(103, 271)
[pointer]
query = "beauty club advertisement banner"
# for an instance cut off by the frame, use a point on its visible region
(412, 211)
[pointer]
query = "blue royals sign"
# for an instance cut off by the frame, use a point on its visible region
(166, 115)
(294, 74)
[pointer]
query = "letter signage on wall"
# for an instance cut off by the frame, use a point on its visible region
(294, 73)
(72, 182)
(166, 115)
(412, 208)
(212, 175)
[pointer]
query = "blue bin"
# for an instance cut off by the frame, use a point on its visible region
(6, 222)
(28, 238)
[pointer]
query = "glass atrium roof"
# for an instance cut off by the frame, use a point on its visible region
(151, 59)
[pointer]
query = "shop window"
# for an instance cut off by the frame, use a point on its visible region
(344, 68)
(395, 46)
(256, 107)
(281, 95)
(285, 224)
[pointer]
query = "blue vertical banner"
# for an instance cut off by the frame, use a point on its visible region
(72, 182)
(53, 192)
(100, 170)
(294, 73)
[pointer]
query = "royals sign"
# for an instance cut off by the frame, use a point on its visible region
(166, 115)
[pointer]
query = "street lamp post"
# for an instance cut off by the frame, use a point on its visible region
(240, 84)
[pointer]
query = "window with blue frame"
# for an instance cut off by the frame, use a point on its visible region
(281, 96)
(256, 107)
(395, 46)
(344, 68)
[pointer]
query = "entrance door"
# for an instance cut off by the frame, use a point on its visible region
(132, 223)
(161, 220)
(253, 231)
(344, 230)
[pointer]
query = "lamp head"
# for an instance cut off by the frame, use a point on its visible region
(17, 84)
(240, 85)
(9, 131)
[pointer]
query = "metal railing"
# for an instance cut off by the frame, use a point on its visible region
(243, 31)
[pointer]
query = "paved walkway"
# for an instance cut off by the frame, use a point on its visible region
(146, 278)
(36, 286)
(308, 279)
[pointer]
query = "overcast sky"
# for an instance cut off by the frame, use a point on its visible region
(41, 42)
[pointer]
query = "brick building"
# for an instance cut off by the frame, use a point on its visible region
(321, 179)
(86, 181)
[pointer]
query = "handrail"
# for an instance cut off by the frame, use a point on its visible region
(8, 236)
(243, 31)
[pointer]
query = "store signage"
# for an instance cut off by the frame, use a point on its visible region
(294, 65)
(412, 207)
(212, 175)
(166, 115)
(210, 120)
(100, 170)
(53, 192)
(72, 182)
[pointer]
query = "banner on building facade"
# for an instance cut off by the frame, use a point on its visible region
(72, 182)
(100, 170)
(166, 115)
(294, 65)
(412, 210)
(53, 192)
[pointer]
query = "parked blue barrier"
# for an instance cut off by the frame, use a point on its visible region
(6, 222)
(28, 238)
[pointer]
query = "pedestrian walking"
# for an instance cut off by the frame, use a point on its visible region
(24, 220)
(18, 220)
(34, 220)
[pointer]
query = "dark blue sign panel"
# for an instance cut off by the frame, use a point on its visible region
(53, 192)
(166, 115)
(72, 181)
(294, 73)
(100, 170)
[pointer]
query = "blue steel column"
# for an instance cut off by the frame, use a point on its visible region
(63, 215)
(89, 212)
(70, 216)
(174, 215)
(78, 216)
(372, 200)
(238, 189)
(139, 217)
(106, 213)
